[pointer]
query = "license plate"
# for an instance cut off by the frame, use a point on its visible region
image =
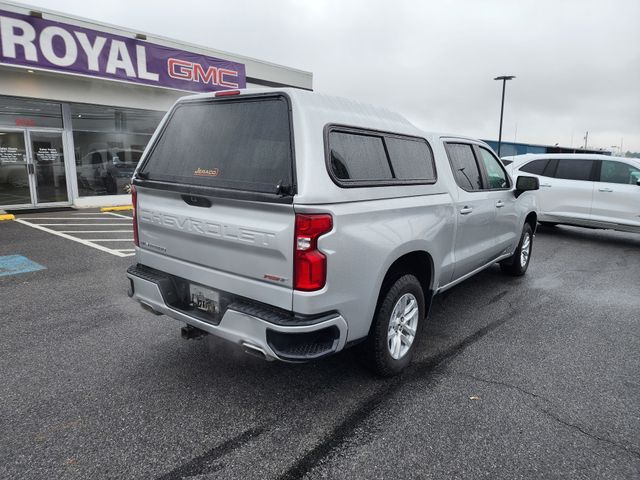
(204, 299)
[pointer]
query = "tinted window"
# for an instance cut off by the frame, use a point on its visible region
(411, 159)
(108, 143)
(618, 172)
(465, 168)
(18, 112)
(536, 167)
(358, 157)
(99, 118)
(496, 175)
(574, 169)
(242, 145)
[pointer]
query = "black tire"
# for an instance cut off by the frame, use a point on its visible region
(514, 265)
(376, 347)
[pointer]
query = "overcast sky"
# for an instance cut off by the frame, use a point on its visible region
(577, 62)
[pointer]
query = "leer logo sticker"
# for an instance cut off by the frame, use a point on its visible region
(206, 172)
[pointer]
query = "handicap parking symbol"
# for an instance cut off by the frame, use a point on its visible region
(15, 264)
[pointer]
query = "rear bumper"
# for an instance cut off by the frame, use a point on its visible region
(253, 328)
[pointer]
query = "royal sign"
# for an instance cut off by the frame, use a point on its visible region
(38, 43)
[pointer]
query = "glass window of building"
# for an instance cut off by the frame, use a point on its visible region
(108, 143)
(20, 112)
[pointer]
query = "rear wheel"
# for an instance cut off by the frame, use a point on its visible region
(518, 263)
(396, 325)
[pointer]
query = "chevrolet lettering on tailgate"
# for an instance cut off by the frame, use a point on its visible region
(207, 228)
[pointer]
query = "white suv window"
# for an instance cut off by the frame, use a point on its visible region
(536, 167)
(574, 169)
(618, 172)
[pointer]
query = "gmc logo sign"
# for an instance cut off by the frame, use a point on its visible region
(194, 72)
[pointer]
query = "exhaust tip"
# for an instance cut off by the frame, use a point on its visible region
(149, 308)
(189, 332)
(254, 350)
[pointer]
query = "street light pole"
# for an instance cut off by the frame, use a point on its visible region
(504, 79)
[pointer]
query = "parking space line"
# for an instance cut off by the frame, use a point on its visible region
(75, 239)
(77, 224)
(120, 215)
(67, 218)
(94, 231)
(111, 239)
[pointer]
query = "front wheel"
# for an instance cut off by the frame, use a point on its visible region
(396, 325)
(518, 263)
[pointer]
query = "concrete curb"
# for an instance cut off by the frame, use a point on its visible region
(121, 208)
(7, 216)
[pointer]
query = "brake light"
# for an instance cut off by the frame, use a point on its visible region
(134, 203)
(310, 264)
(226, 93)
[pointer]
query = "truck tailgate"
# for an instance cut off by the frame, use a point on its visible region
(237, 246)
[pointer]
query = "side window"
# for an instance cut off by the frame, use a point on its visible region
(464, 166)
(358, 157)
(361, 158)
(536, 167)
(574, 169)
(411, 159)
(618, 172)
(496, 176)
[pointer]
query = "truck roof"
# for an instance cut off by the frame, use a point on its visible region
(349, 112)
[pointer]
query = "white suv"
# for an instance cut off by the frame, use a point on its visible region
(595, 191)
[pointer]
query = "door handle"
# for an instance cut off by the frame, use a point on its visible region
(466, 210)
(31, 169)
(605, 190)
(545, 185)
(499, 204)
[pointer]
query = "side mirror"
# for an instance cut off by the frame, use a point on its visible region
(526, 184)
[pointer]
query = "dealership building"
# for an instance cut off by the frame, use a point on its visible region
(79, 101)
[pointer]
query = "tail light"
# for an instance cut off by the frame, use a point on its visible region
(310, 264)
(134, 203)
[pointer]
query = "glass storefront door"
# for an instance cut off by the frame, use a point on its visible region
(32, 169)
(15, 184)
(47, 156)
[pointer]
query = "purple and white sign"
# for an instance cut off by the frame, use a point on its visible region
(35, 42)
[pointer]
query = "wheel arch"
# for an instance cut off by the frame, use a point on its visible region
(418, 263)
(532, 220)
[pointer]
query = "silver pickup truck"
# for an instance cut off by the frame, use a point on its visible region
(296, 224)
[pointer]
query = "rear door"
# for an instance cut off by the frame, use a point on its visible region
(568, 192)
(616, 194)
(215, 202)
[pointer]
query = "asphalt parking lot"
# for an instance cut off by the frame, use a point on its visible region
(536, 377)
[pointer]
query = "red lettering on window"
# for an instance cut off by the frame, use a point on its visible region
(25, 122)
